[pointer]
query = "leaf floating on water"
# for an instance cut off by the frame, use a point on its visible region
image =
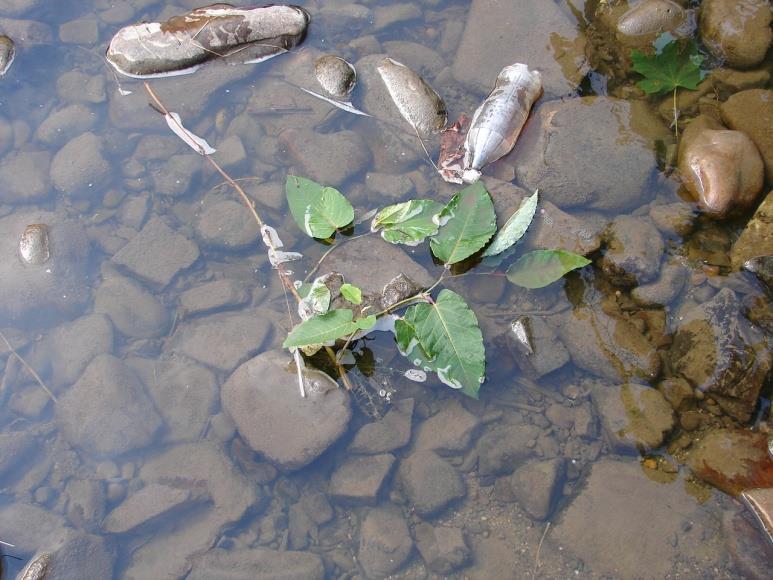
(676, 65)
(273, 243)
(540, 268)
(343, 105)
(410, 222)
(319, 211)
(324, 328)
(466, 225)
(444, 337)
(515, 227)
(193, 141)
(351, 293)
(317, 301)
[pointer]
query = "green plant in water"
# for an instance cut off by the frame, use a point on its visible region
(438, 334)
(675, 64)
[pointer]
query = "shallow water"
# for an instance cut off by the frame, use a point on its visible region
(613, 512)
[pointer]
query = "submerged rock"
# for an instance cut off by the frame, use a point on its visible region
(719, 352)
(651, 17)
(257, 563)
(7, 54)
(736, 31)
(71, 550)
(756, 239)
(443, 548)
(417, 102)
(183, 43)
(262, 397)
(634, 250)
(722, 169)
(752, 113)
(335, 75)
(385, 542)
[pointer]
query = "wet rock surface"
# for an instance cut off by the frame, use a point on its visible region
(261, 563)
(756, 238)
(335, 75)
(262, 397)
(71, 347)
(158, 49)
(750, 112)
(133, 310)
(23, 180)
(330, 159)
(360, 479)
(564, 138)
(79, 169)
(625, 508)
(390, 433)
(448, 432)
(634, 250)
(535, 346)
(94, 556)
(502, 448)
(736, 32)
(722, 169)
(716, 349)
(635, 417)
(107, 411)
(385, 542)
(225, 224)
(536, 486)
(442, 548)
(429, 482)
(150, 504)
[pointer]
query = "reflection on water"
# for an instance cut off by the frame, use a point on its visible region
(150, 426)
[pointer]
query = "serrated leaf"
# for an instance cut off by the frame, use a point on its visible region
(677, 65)
(466, 224)
(410, 222)
(319, 211)
(351, 293)
(327, 327)
(515, 227)
(539, 268)
(445, 337)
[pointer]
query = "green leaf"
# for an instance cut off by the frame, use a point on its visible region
(409, 222)
(466, 224)
(317, 299)
(677, 65)
(515, 227)
(444, 336)
(539, 268)
(319, 211)
(327, 327)
(351, 293)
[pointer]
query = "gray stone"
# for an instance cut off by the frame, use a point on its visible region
(72, 347)
(429, 482)
(389, 433)
(134, 311)
(79, 169)
(173, 177)
(139, 512)
(536, 485)
(15, 447)
(541, 352)
(217, 295)
(32, 526)
(622, 508)
(442, 548)
(225, 224)
(662, 291)
(398, 13)
(636, 418)
(65, 124)
(449, 431)
(107, 412)
(359, 480)
(496, 33)
(608, 347)
(554, 228)
(262, 397)
(157, 253)
(565, 138)
(80, 31)
(77, 86)
(634, 250)
(134, 210)
(24, 176)
(185, 393)
(503, 448)
(27, 32)
(385, 542)
(223, 340)
(198, 468)
(85, 503)
(251, 564)
(719, 352)
(71, 554)
(330, 158)
(43, 293)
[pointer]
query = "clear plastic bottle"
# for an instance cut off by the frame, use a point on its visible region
(498, 121)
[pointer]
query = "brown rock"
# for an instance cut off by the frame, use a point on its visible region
(736, 31)
(722, 169)
(752, 113)
(756, 239)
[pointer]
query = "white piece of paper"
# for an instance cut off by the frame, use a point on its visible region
(193, 141)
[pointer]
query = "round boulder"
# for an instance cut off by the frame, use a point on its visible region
(263, 399)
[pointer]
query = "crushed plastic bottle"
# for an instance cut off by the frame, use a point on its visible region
(498, 121)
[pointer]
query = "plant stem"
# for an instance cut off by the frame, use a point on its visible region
(676, 119)
(31, 371)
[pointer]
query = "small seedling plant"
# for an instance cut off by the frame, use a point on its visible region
(674, 64)
(438, 333)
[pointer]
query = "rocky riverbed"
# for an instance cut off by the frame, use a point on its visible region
(151, 425)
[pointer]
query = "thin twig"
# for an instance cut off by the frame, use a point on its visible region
(7, 544)
(35, 375)
(537, 563)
